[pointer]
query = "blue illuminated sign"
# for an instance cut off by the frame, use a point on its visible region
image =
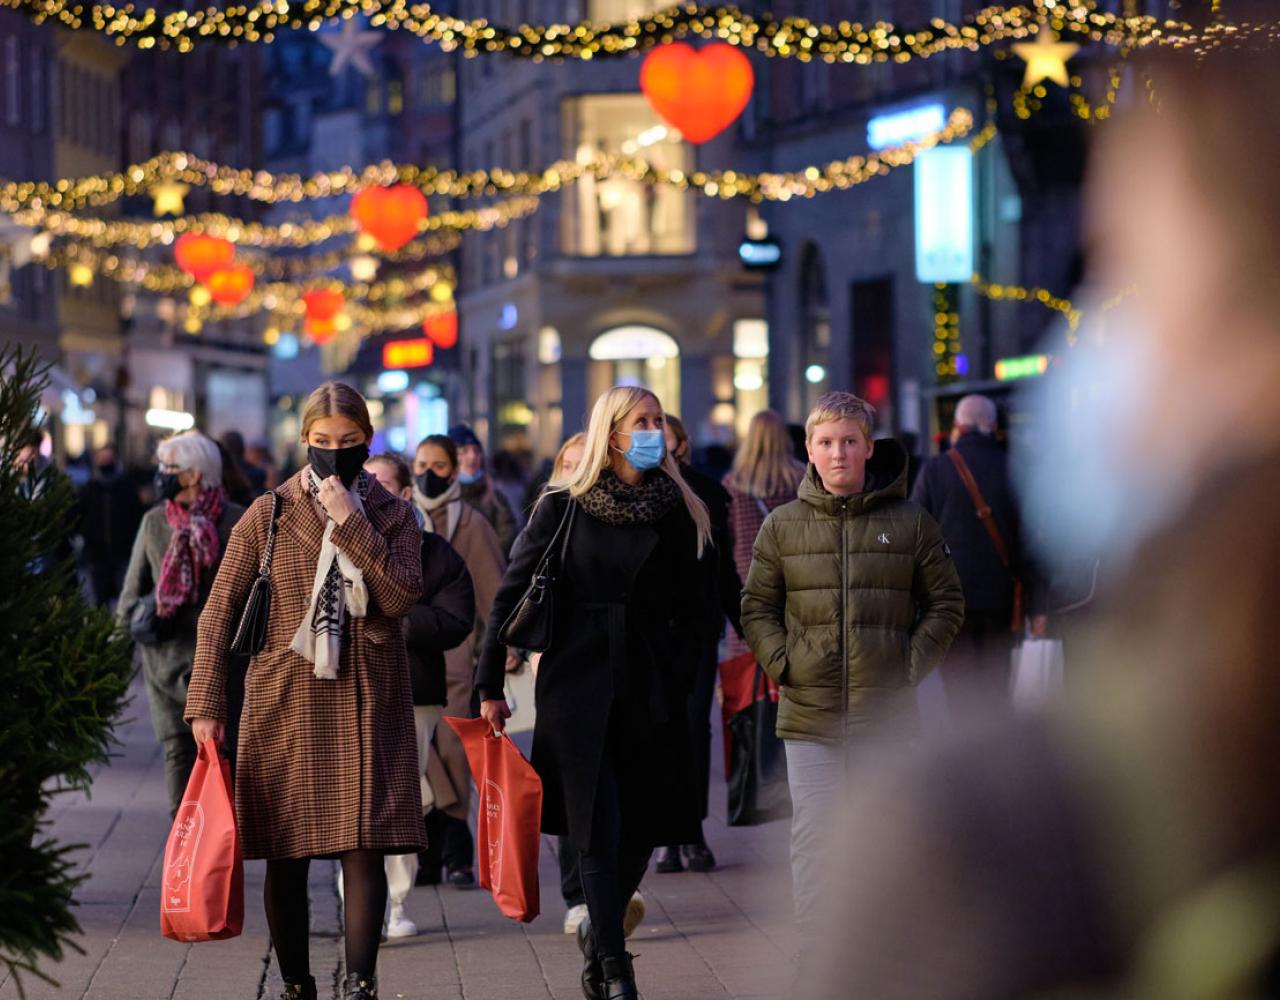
(762, 254)
(944, 215)
(897, 128)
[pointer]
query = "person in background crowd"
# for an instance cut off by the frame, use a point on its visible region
(725, 593)
(29, 460)
(851, 599)
(259, 454)
(108, 513)
(234, 482)
(611, 740)
(508, 481)
(442, 619)
(1122, 842)
(437, 493)
(980, 653)
(255, 476)
(478, 490)
(328, 763)
(172, 567)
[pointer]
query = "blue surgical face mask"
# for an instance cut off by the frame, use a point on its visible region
(470, 477)
(646, 451)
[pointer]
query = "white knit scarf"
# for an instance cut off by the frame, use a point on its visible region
(450, 499)
(338, 588)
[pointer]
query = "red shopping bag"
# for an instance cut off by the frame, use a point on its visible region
(202, 888)
(510, 816)
(738, 690)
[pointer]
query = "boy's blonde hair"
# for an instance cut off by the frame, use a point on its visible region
(840, 406)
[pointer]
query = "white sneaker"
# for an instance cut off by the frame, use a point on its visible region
(398, 925)
(574, 917)
(635, 913)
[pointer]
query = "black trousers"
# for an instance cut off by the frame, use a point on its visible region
(570, 873)
(613, 867)
(449, 843)
(978, 663)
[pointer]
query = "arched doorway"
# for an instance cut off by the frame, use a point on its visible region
(636, 355)
(815, 327)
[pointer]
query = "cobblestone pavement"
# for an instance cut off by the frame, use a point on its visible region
(726, 934)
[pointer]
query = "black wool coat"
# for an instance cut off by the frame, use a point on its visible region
(440, 621)
(629, 617)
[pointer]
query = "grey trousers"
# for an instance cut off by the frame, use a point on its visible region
(817, 776)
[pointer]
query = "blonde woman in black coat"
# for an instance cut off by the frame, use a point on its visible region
(611, 742)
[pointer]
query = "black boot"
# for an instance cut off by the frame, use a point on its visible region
(619, 979)
(592, 977)
(699, 857)
(299, 989)
(669, 861)
(360, 986)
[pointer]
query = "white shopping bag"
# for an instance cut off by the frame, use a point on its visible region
(520, 700)
(1037, 672)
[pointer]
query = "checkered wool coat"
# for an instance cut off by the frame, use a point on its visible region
(323, 766)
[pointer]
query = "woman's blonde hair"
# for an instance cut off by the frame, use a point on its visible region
(610, 410)
(557, 467)
(766, 465)
(336, 399)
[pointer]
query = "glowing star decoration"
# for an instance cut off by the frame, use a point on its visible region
(169, 198)
(1046, 59)
(350, 47)
(699, 91)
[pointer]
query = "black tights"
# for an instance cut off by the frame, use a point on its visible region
(285, 895)
(612, 869)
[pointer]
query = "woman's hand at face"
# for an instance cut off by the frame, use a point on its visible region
(206, 729)
(336, 500)
(496, 713)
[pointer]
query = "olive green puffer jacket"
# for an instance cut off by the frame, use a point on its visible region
(849, 602)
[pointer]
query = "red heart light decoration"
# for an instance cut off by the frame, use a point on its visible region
(391, 215)
(200, 255)
(229, 286)
(321, 331)
(323, 304)
(442, 329)
(699, 91)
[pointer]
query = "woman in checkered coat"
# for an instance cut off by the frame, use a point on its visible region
(327, 760)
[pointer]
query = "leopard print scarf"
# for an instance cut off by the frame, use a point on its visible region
(614, 502)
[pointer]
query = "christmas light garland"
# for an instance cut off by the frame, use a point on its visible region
(785, 37)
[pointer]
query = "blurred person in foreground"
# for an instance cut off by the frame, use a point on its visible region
(851, 599)
(1124, 842)
(172, 567)
(979, 656)
(723, 600)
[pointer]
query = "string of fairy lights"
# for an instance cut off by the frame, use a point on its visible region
(782, 37)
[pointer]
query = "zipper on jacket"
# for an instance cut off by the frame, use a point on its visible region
(844, 620)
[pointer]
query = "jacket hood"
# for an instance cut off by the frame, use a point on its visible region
(886, 480)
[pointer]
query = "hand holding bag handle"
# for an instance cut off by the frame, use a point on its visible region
(251, 633)
(528, 627)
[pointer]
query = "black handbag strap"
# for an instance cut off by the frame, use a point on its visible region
(264, 568)
(563, 530)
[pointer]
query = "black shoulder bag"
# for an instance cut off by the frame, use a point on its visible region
(251, 633)
(528, 627)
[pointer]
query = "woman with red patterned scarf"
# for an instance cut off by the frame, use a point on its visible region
(175, 558)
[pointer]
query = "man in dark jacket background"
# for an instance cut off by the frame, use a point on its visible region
(478, 489)
(980, 653)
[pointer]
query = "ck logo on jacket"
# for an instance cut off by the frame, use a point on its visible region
(884, 538)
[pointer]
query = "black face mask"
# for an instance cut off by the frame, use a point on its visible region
(106, 471)
(345, 463)
(166, 485)
(431, 484)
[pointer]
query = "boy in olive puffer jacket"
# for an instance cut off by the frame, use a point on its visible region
(851, 598)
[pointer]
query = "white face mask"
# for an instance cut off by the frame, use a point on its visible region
(1087, 492)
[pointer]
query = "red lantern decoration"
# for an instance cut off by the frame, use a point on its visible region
(442, 329)
(407, 354)
(391, 215)
(321, 331)
(323, 304)
(200, 255)
(231, 285)
(699, 91)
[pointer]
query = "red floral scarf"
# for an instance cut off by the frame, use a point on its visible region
(192, 547)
